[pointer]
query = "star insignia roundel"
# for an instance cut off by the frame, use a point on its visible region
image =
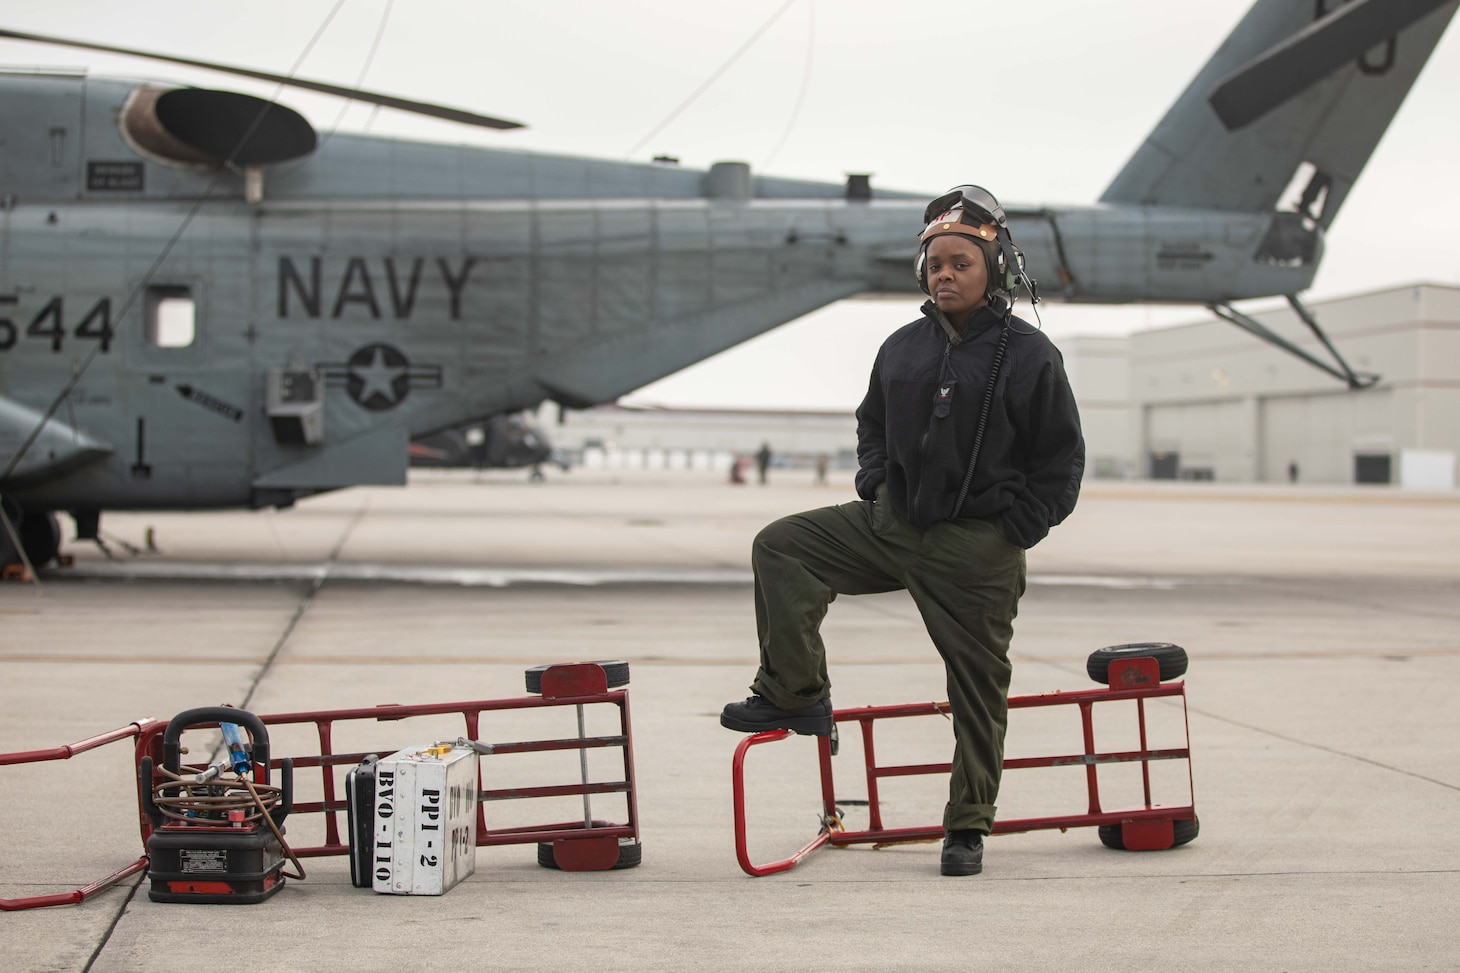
(378, 377)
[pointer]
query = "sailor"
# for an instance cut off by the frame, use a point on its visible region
(969, 451)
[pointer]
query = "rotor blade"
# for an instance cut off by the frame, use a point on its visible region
(385, 101)
(1289, 68)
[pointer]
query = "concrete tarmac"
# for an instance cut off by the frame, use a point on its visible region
(1321, 624)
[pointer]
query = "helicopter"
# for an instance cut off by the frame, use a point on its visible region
(502, 442)
(202, 305)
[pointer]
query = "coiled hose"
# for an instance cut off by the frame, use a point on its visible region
(983, 419)
(183, 798)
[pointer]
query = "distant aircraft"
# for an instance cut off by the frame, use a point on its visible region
(201, 306)
(502, 442)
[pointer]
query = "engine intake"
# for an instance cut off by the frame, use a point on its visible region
(200, 127)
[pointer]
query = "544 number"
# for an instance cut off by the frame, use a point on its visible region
(96, 325)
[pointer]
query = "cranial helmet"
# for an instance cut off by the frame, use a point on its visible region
(973, 212)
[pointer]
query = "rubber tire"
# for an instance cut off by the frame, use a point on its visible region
(630, 854)
(617, 672)
(8, 553)
(1169, 656)
(40, 532)
(1111, 835)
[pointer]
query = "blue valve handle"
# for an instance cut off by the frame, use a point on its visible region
(239, 757)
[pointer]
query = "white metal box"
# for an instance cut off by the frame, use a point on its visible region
(425, 820)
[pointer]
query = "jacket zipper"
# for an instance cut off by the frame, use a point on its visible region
(928, 432)
(942, 370)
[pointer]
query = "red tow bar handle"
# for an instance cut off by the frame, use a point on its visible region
(737, 780)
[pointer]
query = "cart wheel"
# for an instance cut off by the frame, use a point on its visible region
(1181, 832)
(630, 854)
(1170, 657)
(617, 672)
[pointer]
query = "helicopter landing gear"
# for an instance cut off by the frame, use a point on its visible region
(37, 531)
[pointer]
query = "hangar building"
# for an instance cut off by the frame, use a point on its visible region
(1208, 401)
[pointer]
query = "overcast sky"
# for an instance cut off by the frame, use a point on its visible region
(913, 91)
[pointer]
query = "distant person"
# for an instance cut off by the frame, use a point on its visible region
(763, 461)
(1293, 472)
(821, 461)
(737, 470)
(940, 516)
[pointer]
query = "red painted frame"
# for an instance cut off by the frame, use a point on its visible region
(578, 845)
(1147, 827)
(66, 752)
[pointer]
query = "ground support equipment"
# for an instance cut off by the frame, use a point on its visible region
(1130, 677)
(217, 837)
(587, 844)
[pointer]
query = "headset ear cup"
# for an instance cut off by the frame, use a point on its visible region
(1006, 278)
(999, 279)
(920, 271)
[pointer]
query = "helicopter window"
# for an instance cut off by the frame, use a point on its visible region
(171, 316)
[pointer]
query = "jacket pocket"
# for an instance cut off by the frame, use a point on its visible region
(881, 509)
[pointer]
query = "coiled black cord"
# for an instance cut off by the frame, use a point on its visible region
(181, 798)
(983, 419)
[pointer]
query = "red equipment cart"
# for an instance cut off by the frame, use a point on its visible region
(1137, 672)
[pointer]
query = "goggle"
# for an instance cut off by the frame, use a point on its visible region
(975, 202)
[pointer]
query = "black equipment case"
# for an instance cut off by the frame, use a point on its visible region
(214, 865)
(360, 806)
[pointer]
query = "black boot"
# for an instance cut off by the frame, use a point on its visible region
(758, 714)
(963, 853)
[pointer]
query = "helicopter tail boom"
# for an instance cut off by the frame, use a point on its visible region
(1235, 139)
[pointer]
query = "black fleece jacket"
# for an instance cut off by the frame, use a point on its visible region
(915, 428)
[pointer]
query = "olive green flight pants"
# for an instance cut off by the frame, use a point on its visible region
(966, 580)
